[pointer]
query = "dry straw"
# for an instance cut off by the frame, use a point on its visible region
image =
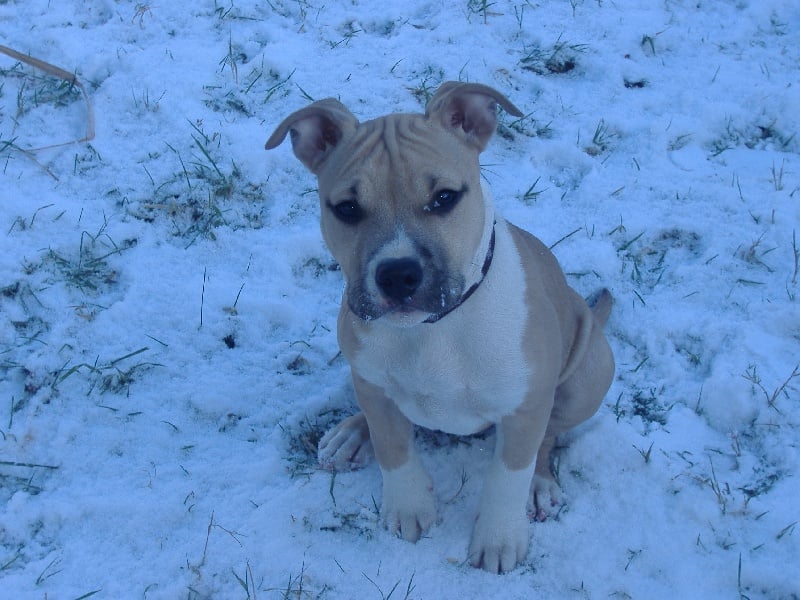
(70, 78)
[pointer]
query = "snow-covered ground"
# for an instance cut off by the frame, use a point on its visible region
(167, 307)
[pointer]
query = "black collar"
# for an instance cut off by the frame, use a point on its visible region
(485, 269)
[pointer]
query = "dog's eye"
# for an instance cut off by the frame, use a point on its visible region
(347, 211)
(443, 201)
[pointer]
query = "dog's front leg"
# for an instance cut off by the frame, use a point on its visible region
(501, 533)
(408, 507)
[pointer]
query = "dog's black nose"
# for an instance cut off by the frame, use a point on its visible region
(398, 278)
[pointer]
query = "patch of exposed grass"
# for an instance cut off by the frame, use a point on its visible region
(206, 191)
(557, 59)
(348, 31)
(427, 83)
(108, 376)
(533, 192)
(481, 9)
(780, 390)
(755, 254)
(601, 139)
(645, 257)
(526, 125)
(757, 134)
(649, 407)
(387, 595)
(89, 268)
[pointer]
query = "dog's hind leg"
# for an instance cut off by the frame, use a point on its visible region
(577, 399)
(546, 494)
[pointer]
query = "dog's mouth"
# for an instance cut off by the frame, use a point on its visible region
(403, 311)
(405, 315)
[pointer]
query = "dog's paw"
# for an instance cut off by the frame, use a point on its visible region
(409, 506)
(346, 446)
(499, 542)
(546, 497)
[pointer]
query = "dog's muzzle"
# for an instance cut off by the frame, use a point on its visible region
(405, 286)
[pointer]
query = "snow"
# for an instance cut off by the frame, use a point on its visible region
(168, 309)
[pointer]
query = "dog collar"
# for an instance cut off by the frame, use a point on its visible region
(484, 270)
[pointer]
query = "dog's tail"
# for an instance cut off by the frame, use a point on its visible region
(601, 305)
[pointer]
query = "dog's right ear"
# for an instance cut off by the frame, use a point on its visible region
(315, 131)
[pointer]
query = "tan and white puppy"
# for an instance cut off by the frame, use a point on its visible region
(452, 318)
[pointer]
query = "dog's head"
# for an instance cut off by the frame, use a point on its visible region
(401, 202)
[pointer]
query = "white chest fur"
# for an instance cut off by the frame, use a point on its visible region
(465, 371)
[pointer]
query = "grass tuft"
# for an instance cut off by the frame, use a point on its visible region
(89, 270)
(526, 125)
(646, 454)
(753, 135)
(481, 8)
(558, 59)
(205, 191)
(532, 194)
(107, 376)
(429, 81)
(601, 140)
(788, 530)
(754, 254)
(782, 389)
(386, 596)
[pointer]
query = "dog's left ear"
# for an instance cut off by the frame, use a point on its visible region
(469, 109)
(315, 131)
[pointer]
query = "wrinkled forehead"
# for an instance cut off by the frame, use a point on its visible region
(402, 143)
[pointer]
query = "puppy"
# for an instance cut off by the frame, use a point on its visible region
(452, 318)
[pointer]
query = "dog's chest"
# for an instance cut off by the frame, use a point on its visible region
(457, 378)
